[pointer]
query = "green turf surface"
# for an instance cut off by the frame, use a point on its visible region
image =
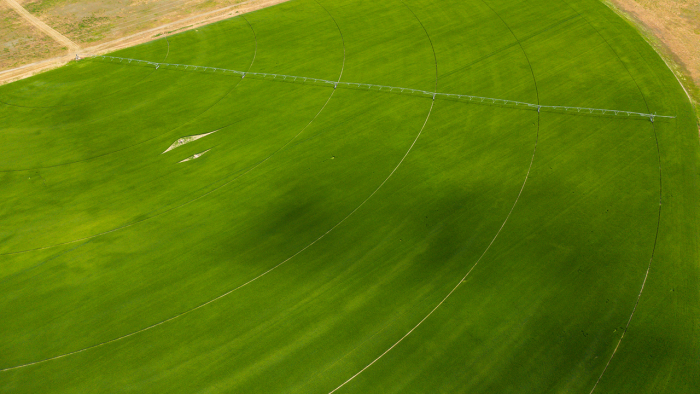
(323, 226)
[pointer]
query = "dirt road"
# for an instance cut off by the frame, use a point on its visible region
(60, 38)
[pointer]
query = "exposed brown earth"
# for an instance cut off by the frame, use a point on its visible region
(48, 30)
(673, 28)
(101, 46)
(99, 21)
(22, 43)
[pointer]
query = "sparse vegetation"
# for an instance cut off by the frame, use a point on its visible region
(21, 43)
(42, 6)
(94, 21)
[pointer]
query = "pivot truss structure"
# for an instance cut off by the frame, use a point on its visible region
(382, 88)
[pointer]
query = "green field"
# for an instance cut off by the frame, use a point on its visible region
(322, 240)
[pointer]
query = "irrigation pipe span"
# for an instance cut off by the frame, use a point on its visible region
(383, 88)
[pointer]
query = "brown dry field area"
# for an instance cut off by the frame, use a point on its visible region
(673, 28)
(98, 21)
(22, 43)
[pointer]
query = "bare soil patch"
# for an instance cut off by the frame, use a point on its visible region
(99, 21)
(673, 28)
(22, 43)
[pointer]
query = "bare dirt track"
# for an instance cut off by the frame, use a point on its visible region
(150, 34)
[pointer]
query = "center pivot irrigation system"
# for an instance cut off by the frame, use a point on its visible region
(383, 88)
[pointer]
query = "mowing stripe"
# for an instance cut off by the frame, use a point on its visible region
(39, 264)
(558, 24)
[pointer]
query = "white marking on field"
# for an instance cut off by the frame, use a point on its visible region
(187, 140)
(195, 156)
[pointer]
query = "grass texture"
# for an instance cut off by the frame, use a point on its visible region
(342, 218)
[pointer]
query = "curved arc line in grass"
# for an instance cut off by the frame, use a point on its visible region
(554, 25)
(429, 40)
(646, 276)
(527, 175)
(163, 133)
(658, 220)
(537, 91)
